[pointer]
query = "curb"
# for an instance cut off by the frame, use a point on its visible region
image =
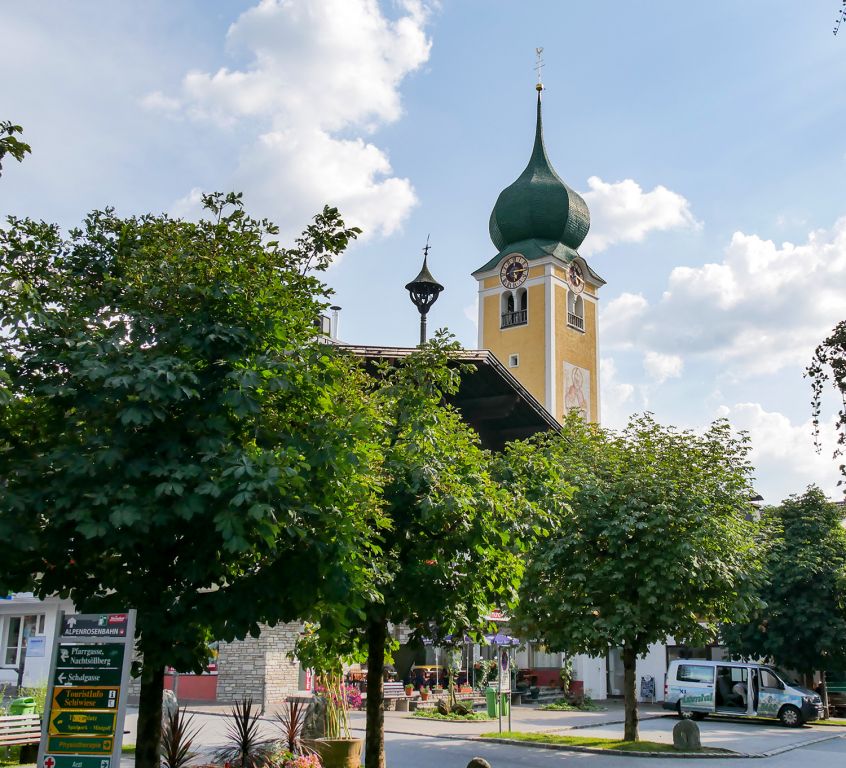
(685, 755)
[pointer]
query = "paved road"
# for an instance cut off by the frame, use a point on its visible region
(426, 752)
(415, 743)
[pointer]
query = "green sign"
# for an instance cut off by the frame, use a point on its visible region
(89, 677)
(69, 722)
(76, 761)
(85, 698)
(91, 745)
(77, 656)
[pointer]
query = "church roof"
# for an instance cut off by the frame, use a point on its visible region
(539, 205)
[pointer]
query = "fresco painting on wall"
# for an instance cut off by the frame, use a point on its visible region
(577, 389)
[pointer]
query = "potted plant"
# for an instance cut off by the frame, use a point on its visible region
(409, 689)
(424, 693)
(326, 654)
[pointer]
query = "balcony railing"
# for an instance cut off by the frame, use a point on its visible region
(574, 321)
(520, 317)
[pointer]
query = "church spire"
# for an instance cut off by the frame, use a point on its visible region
(539, 205)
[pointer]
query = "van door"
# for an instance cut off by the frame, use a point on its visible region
(771, 696)
(696, 686)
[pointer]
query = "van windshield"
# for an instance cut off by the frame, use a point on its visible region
(785, 678)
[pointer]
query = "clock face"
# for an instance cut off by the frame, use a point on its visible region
(514, 271)
(576, 278)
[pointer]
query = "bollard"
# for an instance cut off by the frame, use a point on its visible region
(686, 736)
(478, 762)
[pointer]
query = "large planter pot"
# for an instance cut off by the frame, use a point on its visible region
(338, 753)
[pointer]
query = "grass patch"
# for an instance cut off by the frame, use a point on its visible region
(127, 749)
(433, 714)
(10, 756)
(562, 705)
(617, 745)
(830, 721)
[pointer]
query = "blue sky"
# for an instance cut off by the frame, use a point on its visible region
(707, 139)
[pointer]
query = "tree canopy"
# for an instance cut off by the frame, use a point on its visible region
(654, 543)
(10, 144)
(829, 364)
(173, 437)
(452, 531)
(800, 622)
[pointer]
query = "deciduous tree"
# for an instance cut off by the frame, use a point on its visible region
(655, 542)
(800, 623)
(173, 438)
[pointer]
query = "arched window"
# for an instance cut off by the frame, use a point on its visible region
(522, 300)
(513, 308)
(575, 311)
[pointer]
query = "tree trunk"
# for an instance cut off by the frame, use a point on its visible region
(374, 744)
(150, 719)
(630, 731)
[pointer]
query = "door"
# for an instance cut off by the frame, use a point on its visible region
(695, 683)
(616, 676)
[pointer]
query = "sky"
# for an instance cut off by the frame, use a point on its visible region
(706, 138)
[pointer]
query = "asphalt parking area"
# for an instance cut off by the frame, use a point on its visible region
(755, 738)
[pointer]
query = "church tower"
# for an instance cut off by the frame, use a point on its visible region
(538, 297)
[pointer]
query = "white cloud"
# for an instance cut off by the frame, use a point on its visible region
(320, 77)
(471, 312)
(783, 453)
(662, 367)
(761, 309)
(619, 317)
(615, 395)
(621, 212)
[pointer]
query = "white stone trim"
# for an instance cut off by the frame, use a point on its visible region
(549, 343)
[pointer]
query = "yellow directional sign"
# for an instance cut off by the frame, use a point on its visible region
(77, 697)
(69, 723)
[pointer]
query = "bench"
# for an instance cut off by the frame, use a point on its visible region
(393, 693)
(21, 731)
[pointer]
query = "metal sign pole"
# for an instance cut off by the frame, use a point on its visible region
(498, 687)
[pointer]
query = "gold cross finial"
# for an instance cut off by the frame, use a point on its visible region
(539, 65)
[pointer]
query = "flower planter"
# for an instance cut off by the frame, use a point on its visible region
(424, 694)
(338, 753)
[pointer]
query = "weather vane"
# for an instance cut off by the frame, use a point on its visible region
(540, 65)
(426, 247)
(841, 16)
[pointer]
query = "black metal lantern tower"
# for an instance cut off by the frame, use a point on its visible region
(424, 291)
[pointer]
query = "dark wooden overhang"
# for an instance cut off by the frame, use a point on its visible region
(497, 406)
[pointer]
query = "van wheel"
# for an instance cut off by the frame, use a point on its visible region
(790, 716)
(699, 715)
(682, 714)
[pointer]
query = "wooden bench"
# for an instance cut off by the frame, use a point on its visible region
(21, 731)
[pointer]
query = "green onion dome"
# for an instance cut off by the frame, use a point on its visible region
(539, 205)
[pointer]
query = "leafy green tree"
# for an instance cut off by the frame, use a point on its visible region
(801, 620)
(655, 542)
(9, 144)
(452, 532)
(829, 363)
(173, 438)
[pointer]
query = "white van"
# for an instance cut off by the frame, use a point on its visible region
(696, 688)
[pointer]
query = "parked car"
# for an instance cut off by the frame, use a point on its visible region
(696, 688)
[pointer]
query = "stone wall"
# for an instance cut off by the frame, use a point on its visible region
(259, 666)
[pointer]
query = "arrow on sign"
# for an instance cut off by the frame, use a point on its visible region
(61, 678)
(64, 653)
(72, 622)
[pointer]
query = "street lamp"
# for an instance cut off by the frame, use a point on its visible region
(424, 291)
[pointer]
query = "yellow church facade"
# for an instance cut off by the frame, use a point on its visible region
(538, 310)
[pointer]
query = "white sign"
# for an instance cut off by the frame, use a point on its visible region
(36, 647)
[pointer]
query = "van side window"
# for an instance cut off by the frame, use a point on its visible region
(693, 673)
(769, 680)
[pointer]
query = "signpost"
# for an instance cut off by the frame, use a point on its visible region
(86, 697)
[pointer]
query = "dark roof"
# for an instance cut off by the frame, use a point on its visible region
(497, 406)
